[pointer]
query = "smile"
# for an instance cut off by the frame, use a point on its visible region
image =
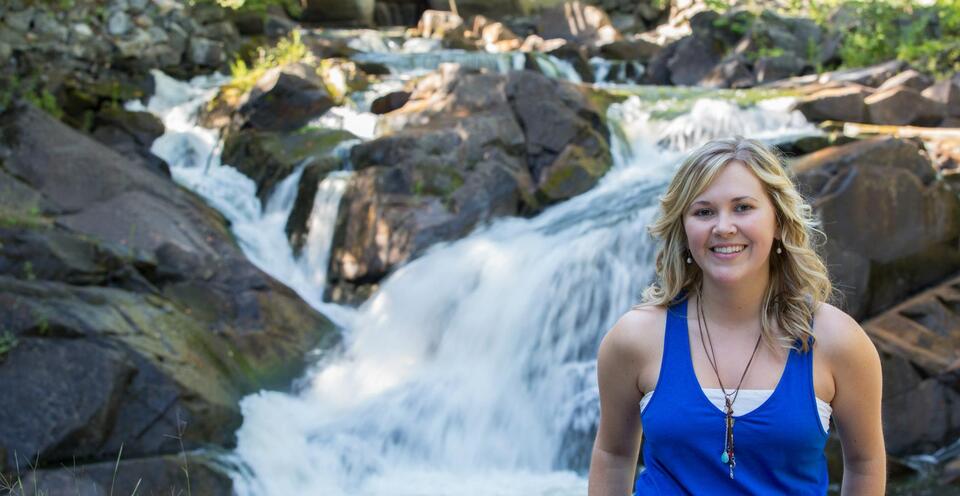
(728, 249)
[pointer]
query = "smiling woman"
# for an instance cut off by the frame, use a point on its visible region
(731, 416)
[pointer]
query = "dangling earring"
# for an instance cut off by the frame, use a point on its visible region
(689, 260)
(779, 251)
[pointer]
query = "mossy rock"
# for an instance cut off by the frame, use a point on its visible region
(268, 157)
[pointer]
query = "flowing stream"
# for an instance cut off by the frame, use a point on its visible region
(472, 369)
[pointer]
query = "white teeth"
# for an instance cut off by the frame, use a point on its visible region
(728, 249)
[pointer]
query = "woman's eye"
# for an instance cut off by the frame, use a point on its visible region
(743, 207)
(702, 212)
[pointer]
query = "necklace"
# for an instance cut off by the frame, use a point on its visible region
(727, 456)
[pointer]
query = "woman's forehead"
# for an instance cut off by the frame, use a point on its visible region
(732, 181)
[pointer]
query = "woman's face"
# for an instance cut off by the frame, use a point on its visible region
(731, 226)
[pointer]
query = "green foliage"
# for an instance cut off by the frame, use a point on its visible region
(926, 37)
(30, 89)
(287, 51)
(7, 343)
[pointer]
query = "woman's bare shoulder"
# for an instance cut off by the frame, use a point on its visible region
(838, 335)
(638, 330)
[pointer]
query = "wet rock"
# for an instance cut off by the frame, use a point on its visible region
(268, 157)
(892, 225)
(297, 227)
(902, 106)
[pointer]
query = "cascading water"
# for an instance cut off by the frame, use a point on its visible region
(472, 369)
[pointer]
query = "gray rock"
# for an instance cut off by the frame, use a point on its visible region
(78, 387)
(205, 52)
(135, 44)
(119, 23)
(138, 5)
(5, 51)
(21, 20)
(81, 31)
(119, 5)
(775, 68)
(152, 475)
(47, 26)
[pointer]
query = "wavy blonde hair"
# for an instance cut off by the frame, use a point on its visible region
(798, 277)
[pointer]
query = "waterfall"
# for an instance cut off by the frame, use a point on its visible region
(472, 370)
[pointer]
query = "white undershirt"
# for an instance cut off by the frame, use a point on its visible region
(747, 401)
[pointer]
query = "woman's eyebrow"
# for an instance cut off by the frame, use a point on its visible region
(732, 200)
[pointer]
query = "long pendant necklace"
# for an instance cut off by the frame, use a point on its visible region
(727, 456)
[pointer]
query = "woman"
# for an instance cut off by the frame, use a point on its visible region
(734, 361)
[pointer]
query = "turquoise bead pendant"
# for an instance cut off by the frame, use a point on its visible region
(725, 458)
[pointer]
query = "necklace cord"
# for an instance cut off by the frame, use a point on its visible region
(702, 320)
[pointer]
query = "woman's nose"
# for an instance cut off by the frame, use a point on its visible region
(724, 226)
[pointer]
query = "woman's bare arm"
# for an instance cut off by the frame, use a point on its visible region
(614, 458)
(855, 365)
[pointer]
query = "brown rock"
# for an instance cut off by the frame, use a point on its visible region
(919, 341)
(947, 93)
(844, 104)
(637, 49)
(903, 106)
(909, 79)
(389, 102)
(577, 22)
(285, 99)
(891, 225)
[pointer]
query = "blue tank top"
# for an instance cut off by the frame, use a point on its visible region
(779, 445)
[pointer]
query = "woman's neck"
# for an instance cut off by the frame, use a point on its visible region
(734, 306)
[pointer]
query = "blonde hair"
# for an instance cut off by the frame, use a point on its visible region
(798, 277)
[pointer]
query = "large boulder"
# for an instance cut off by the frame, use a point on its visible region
(918, 340)
(466, 148)
(129, 316)
(845, 104)
(171, 474)
(901, 106)
(285, 99)
(892, 226)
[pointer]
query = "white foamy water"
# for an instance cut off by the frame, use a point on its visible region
(472, 370)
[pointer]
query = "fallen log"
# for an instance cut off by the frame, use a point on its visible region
(853, 130)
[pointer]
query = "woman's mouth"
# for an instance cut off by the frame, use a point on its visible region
(727, 251)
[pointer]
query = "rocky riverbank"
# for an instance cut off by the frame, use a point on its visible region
(133, 323)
